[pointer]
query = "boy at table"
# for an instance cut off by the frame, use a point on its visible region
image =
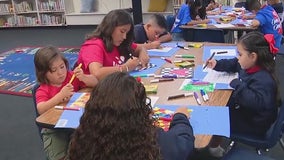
(267, 20)
(153, 33)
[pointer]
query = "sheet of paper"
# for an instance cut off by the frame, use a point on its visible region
(210, 120)
(219, 77)
(163, 49)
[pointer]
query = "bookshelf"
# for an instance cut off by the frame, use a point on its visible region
(176, 5)
(25, 13)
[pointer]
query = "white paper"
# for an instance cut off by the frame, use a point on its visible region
(163, 49)
(213, 76)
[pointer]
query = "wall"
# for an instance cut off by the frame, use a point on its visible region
(103, 7)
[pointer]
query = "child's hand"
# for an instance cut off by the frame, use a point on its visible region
(144, 58)
(183, 110)
(79, 73)
(155, 44)
(132, 63)
(66, 92)
(211, 63)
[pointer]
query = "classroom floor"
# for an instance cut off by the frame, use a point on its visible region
(19, 135)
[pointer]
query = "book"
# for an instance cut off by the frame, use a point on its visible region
(78, 100)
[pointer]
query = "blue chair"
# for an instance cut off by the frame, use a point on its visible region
(170, 22)
(273, 135)
(204, 35)
(34, 89)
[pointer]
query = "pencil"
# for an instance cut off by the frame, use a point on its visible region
(73, 76)
(207, 62)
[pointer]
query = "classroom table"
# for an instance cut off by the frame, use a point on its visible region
(165, 89)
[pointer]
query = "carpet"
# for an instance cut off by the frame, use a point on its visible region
(17, 72)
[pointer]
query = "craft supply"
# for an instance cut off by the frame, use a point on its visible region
(161, 80)
(199, 83)
(210, 58)
(167, 60)
(222, 52)
(151, 88)
(185, 56)
(175, 72)
(67, 108)
(144, 75)
(180, 96)
(73, 76)
(179, 46)
(196, 98)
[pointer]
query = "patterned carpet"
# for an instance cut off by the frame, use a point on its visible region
(17, 73)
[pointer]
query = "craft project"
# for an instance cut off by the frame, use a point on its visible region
(154, 65)
(189, 85)
(78, 100)
(163, 117)
(176, 72)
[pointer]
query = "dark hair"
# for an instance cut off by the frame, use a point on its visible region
(193, 5)
(253, 5)
(255, 42)
(160, 20)
(43, 59)
(104, 31)
(116, 123)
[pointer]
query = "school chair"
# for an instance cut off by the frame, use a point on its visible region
(241, 152)
(34, 89)
(204, 35)
(170, 22)
(273, 135)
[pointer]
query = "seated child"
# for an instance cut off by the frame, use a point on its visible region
(117, 124)
(153, 33)
(253, 103)
(53, 76)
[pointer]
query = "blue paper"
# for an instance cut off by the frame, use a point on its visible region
(69, 119)
(211, 120)
(166, 54)
(207, 53)
(157, 61)
(199, 74)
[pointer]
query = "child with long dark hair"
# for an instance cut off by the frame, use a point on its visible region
(117, 124)
(253, 103)
(110, 47)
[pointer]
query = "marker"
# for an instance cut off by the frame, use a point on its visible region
(196, 98)
(180, 96)
(206, 95)
(73, 76)
(161, 80)
(203, 95)
(222, 52)
(200, 83)
(144, 75)
(185, 56)
(186, 48)
(167, 60)
(207, 62)
(67, 108)
(168, 76)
